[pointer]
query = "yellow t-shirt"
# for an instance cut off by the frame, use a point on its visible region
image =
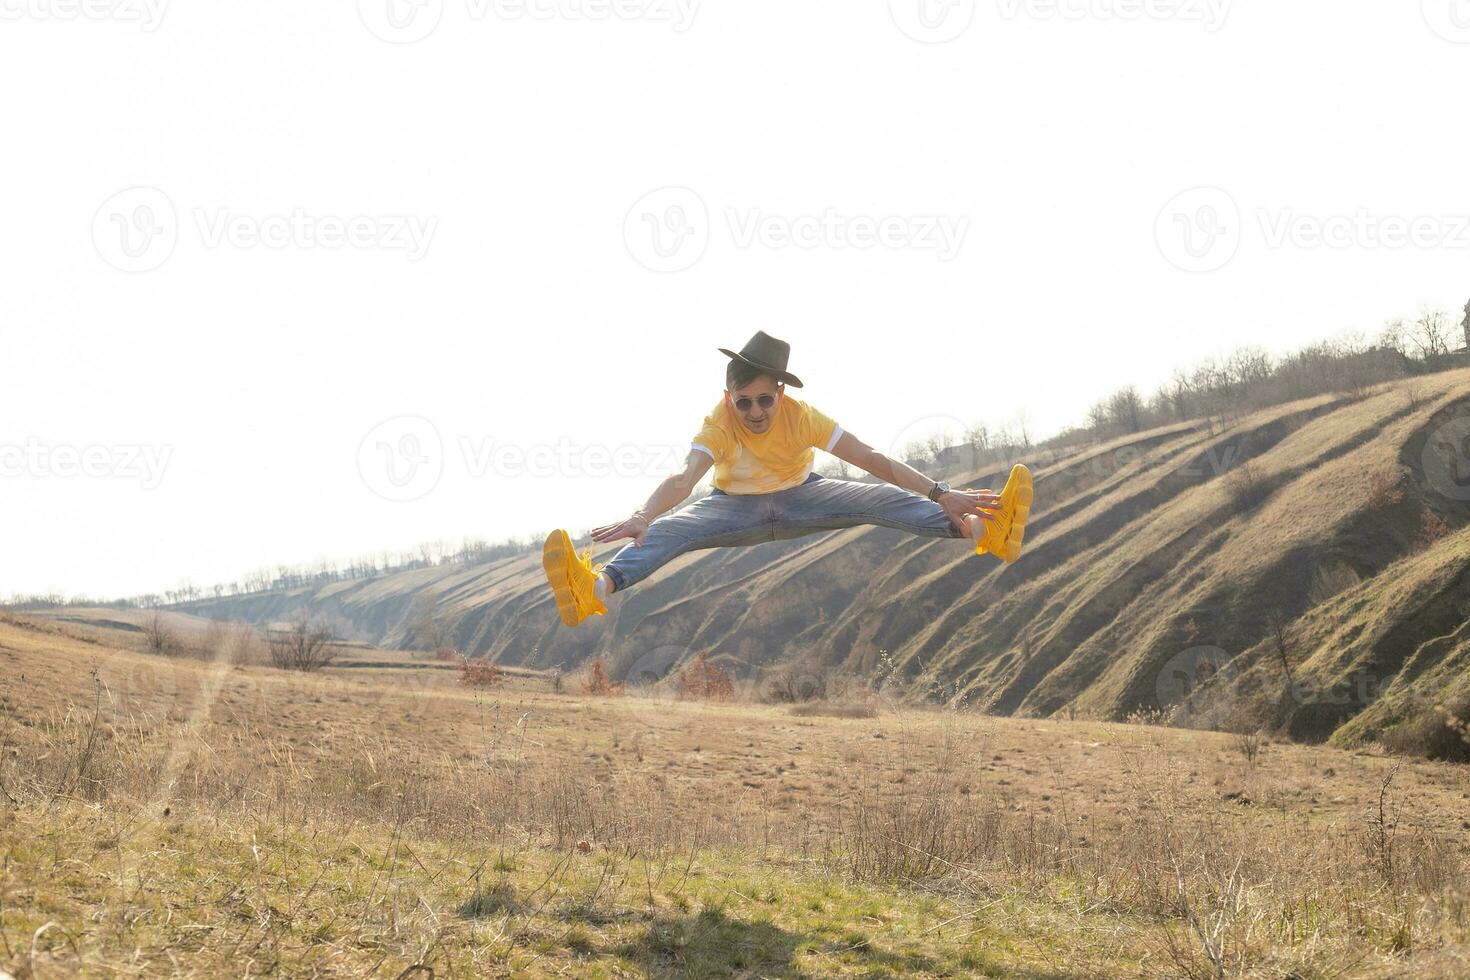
(780, 457)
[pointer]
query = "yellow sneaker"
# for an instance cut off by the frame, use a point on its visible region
(572, 578)
(1003, 537)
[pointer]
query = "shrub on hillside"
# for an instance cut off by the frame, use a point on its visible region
(480, 673)
(867, 708)
(1432, 528)
(1442, 732)
(702, 681)
(599, 684)
(1246, 486)
(157, 633)
(1384, 489)
(803, 680)
(304, 645)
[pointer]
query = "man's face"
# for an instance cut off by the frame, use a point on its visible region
(755, 416)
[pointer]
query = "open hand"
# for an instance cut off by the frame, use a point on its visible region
(634, 527)
(959, 504)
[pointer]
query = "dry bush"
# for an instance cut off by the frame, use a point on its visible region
(1147, 716)
(231, 642)
(1245, 486)
(446, 654)
(304, 646)
(800, 680)
(1384, 488)
(1432, 528)
(157, 633)
(598, 684)
(1330, 580)
(1439, 732)
(1248, 744)
(480, 673)
(836, 709)
(701, 680)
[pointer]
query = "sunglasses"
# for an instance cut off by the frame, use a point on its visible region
(764, 401)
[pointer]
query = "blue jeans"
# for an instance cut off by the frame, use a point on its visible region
(724, 520)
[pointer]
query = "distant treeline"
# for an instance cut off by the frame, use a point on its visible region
(1244, 380)
(428, 555)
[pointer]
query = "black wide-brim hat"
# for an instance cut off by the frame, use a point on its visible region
(767, 355)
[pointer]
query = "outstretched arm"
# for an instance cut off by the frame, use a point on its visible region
(958, 504)
(668, 495)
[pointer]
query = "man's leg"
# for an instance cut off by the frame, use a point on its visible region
(717, 521)
(826, 504)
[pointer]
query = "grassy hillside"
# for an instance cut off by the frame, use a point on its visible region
(1152, 562)
(204, 815)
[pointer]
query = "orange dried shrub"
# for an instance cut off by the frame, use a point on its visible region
(599, 684)
(702, 681)
(479, 673)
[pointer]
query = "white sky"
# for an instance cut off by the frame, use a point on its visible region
(520, 144)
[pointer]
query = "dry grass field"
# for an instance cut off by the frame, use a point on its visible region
(204, 815)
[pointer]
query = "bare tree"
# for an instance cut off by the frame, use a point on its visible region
(1277, 623)
(1125, 409)
(1431, 333)
(1395, 336)
(304, 646)
(839, 469)
(1465, 326)
(428, 628)
(157, 632)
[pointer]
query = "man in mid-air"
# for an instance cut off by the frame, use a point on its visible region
(760, 442)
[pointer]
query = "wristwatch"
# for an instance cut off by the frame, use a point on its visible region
(938, 489)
